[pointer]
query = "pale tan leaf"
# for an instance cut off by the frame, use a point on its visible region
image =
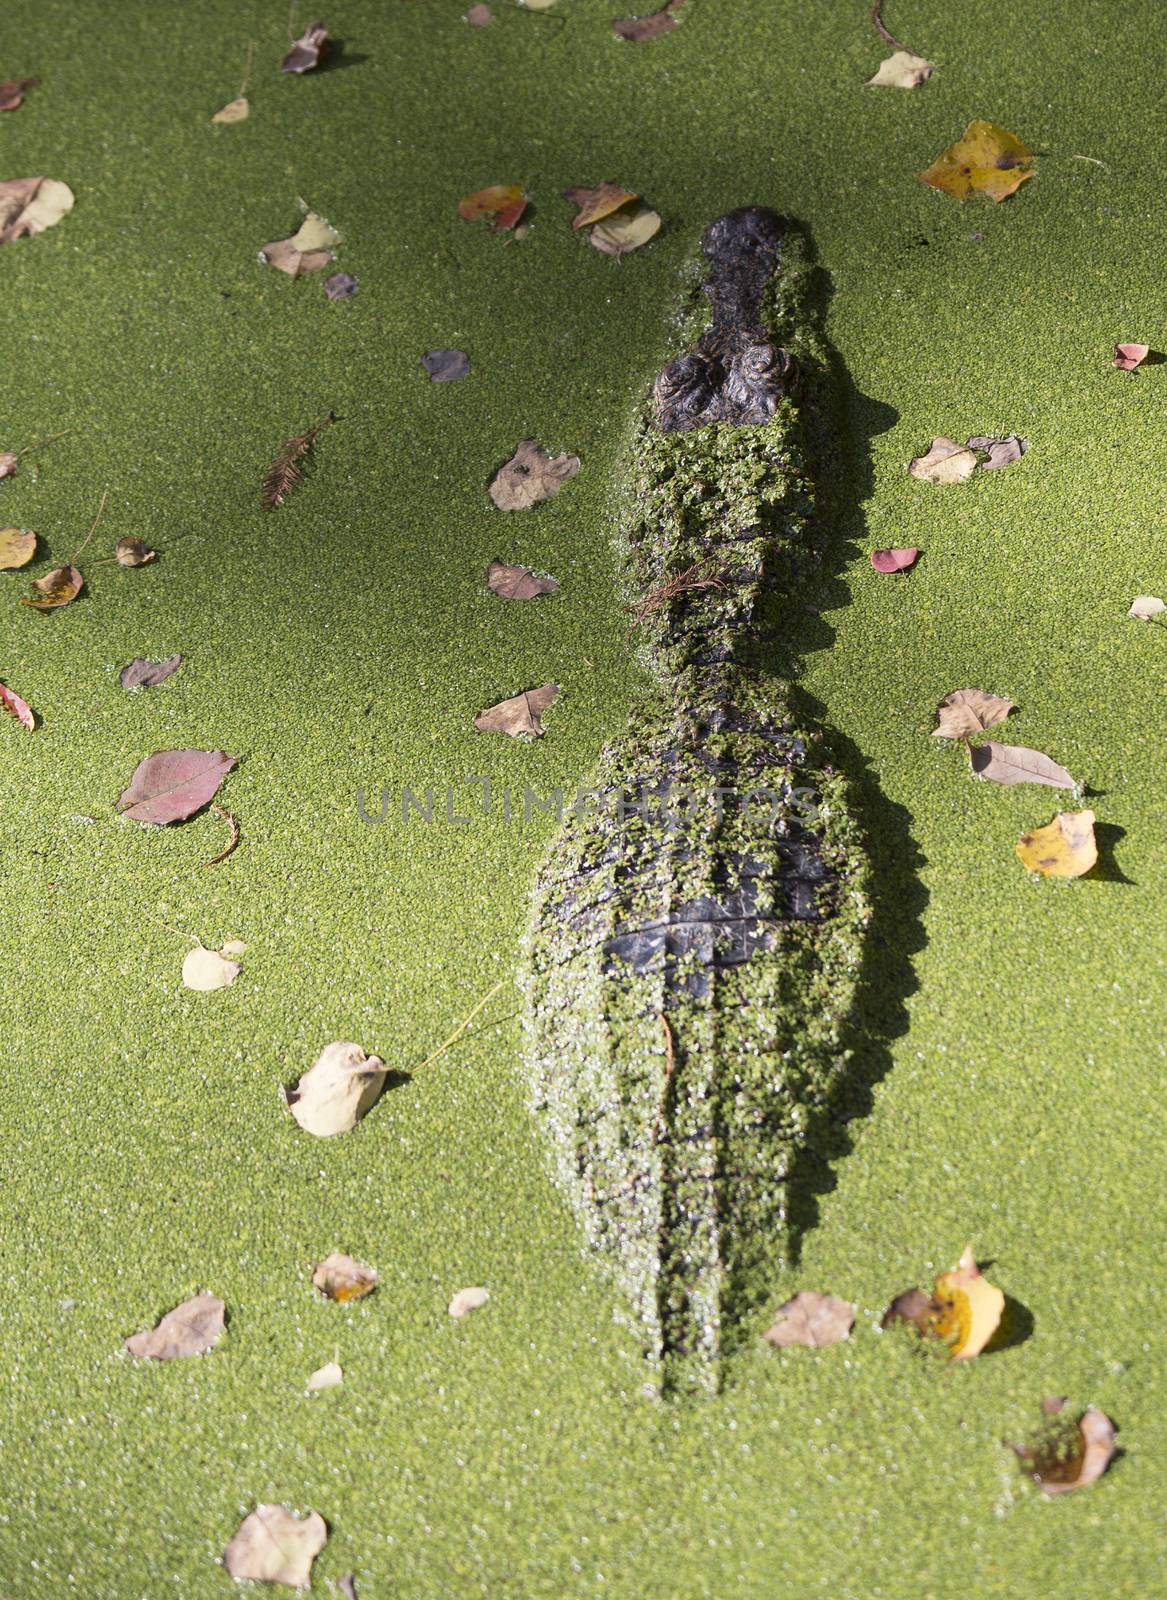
(946, 462)
(329, 1376)
(468, 1300)
(30, 205)
(1014, 763)
(189, 1330)
(517, 583)
(206, 970)
(274, 1545)
(968, 711)
(598, 202)
(132, 552)
(1143, 607)
(308, 250)
(234, 111)
(17, 548)
(339, 1277)
(903, 70)
(519, 715)
(812, 1319)
(341, 1085)
(625, 230)
(531, 475)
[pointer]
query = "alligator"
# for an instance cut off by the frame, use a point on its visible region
(697, 924)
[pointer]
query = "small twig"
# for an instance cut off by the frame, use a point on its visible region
(683, 583)
(221, 811)
(93, 529)
(658, 1131)
(461, 1028)
(247, 68)
(877, 24)
(291, 22)
(40, 444)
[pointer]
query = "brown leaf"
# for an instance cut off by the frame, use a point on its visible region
(638, 29)
(340, 286)
(1129, 356)
(287, 470)
(446, 366)
(497, 201)
(9, 461)
(1064, 848)
(963, 1312)
(1002, 451)
(914, 1306)
(519, 715)
(172, 785)
(1064, 1462)
(339, 1277)
(1014, 763)
(56, 588)
(967, 711)
(812, 1319)
(16, 707)
(307, 250)
(986, 159)
(13, 91)
(307, 51)
(142, 674)
(17, 548)
(274, 1545)
(340, 1086)
(189, 1330)
(897, 560)
(946, 462)
(30, 205)
(531, 475)
(517, 583)
(133, 552)
(598, 202)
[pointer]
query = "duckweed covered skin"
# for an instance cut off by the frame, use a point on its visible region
(697, 927)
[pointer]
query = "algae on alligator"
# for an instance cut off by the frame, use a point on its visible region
(688, 973)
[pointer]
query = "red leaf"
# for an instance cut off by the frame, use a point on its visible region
(17, 708)
(893, 560)
(1128, 356)
(172, 785)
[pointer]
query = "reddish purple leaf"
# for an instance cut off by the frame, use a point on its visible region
(893, 560)
(17, 708)
(1128, 356)
(172, 785)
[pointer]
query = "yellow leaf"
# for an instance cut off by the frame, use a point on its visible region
(1064, 848)
(625, 230)
(56, 588)
(234, 111)
(17, 548)
(986, 159)
(969, 1308)
(598, 202)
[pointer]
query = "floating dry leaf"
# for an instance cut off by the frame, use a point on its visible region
(16, 707)
(142, 674)
(1129, 356)
(1014, 763)
(968, 711)
(17, 548)
(946, 462)
(519, 715)
(287, 470)
(1064, 848)
(479, 16)
(307, 250)
(985, 159)
(504, 202)
(30, 205)
(13, 91)
(652, 26)
(171, 785)
(9, 461)
(963, 1311)
(446, 366)
(468, 1300)
(1002, 450)
(812, 1319)
(189, 1330)
(895, 560)
(307, 51)
(1143, 607)
(133, 552)
(625, 230)
(57, 588)
(531, 475)
(517, 583)
(598, 202)
(903, 70)
(206, 970)
(341, 1278)
(340, 1086)
(1070, 1460)
(234, 111)
(341, 286)
(348, 1586)
(329, 1376)
(275, 1545)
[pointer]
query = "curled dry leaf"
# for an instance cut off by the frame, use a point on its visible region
(9, 461)
(625, 230)
(1143, 607)
(1002, 450)
(1064, 848)
(133, 552)
(446, 366)
(903, 70)
(897, 560)
(307, 51)
(946, 462)
(637, 29)
(341, 286)
(598, 202)
(30, 205)
(171, 785)
(142, 674)
(206, 970)
(519, 715)
(13, 91)
(234, 111)
(1129, 356)
(531, 475)
(963, 1311)
(517, 583)
(329, 1376)
(1070, 1460)
(16, 707)
(17, 548)
(968, 711)
(1014, 763)
(339, 1277)
(812, 1319)
(57, 588)
(307, 250)
(340, 1086)
(190, 1329)
(468, 1300)
(503, 202)
(275, 1545)
(985, 159)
